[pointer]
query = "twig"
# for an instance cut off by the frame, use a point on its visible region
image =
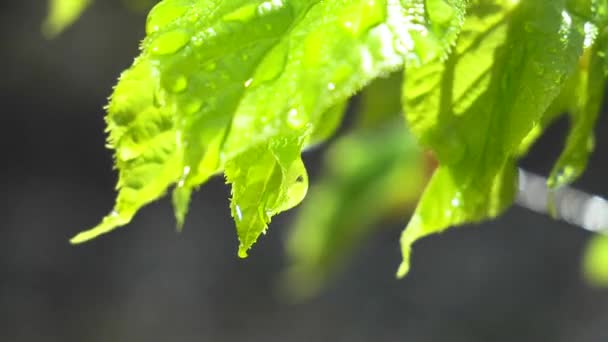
(566, 203)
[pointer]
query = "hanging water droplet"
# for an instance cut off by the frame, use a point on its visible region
(164, 13)
(170, 42)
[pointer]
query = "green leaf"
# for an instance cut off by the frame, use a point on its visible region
(143, 134)
(582, 97)
(244, 82)
(62, 13)
(474, 110)
(266, 180)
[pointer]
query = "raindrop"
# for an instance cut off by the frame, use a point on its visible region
(243, 13)
(293, 119)
(163, 14)
(170, 42)
(268, 7)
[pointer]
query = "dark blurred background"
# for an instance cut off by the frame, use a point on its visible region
(514, 279)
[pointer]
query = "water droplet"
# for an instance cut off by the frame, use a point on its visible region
(197, 40)
(239, 213)
(243, 13)
(179, 85)
(331, 86)
(170, 42)
(563, 176)
(455, 202)
(591, 33)
(268, 7)
(364, 16)
(248, 82)
(294, 119)
(272, 65)
(163, 14)
(185, 174)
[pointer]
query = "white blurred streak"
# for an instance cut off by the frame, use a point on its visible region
(571, 205)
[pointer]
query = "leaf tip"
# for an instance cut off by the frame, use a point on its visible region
(403, 270)
(243, 252)
(109, 223)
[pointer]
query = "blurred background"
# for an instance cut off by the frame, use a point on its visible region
(517, 278)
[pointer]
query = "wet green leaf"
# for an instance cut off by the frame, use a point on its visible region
(475, 109)
(245, 85)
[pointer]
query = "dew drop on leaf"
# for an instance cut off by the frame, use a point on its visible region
(364, 16)
(164, 13)
(272, 65)
(268, 7)
(244, 13)
(170, 42)
(293, 118)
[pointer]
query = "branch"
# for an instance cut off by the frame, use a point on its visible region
(576, 207)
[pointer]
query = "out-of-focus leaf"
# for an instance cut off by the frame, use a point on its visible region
(236, 79)
(595, 261)
(474, 109)
(62, 13)
(369, 175)
(380, 102)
